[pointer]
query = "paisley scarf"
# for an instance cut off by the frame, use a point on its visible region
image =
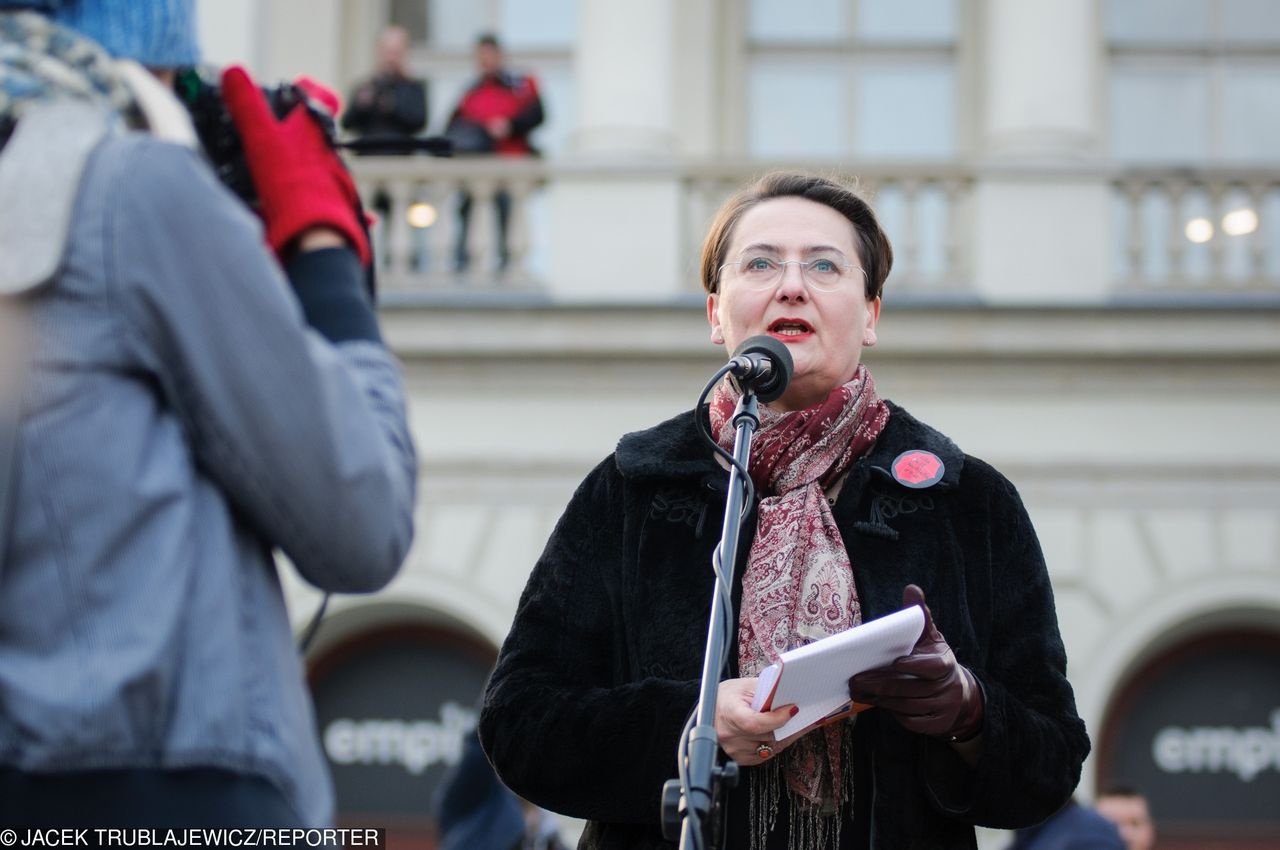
(798, 585)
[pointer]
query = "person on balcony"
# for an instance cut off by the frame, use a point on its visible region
(495, 115)
(862, 509)
(388, 108)
(390, 104)
(203, 388)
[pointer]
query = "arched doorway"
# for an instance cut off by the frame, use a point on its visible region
(394, 703)
(1197, 731)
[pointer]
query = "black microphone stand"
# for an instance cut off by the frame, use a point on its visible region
(696, 810)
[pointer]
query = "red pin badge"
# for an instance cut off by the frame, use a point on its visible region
(917, 468)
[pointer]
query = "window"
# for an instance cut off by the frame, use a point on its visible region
(839, 78)
(1194, 81)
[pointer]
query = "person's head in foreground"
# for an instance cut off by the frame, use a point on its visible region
(157, 34)
(1127, 809)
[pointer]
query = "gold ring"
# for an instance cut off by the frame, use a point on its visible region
(764, 751)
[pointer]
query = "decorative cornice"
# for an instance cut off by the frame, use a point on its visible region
(530, 329)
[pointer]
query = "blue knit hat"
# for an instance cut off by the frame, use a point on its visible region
(155, 33)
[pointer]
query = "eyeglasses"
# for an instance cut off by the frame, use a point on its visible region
(759, 272)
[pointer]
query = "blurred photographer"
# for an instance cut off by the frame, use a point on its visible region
(203, 388)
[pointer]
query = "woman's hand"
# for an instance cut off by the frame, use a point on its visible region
(741, 729)
(928, 691)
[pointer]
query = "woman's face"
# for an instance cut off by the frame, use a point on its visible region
(824, 331)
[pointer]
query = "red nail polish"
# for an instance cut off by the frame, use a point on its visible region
(795, 709)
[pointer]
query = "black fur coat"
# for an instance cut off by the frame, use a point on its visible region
(585, 707)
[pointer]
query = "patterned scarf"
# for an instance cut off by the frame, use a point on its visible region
(40, 60)
(798, 583)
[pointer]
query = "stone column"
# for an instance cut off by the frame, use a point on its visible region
(1043, 78)
(227, 33)
(618, 196)
(1040, 150)
(623, 72)
(303, 37)
(284, 38)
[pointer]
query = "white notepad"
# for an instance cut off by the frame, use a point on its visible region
(816, 676)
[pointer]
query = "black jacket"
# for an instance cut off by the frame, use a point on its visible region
(387, 105)
(585, 707)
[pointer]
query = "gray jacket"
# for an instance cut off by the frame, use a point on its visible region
(180, 419)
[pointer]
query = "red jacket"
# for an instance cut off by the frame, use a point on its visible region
(503, 95)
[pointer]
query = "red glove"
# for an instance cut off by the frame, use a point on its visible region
(927, 691)
(301, 182)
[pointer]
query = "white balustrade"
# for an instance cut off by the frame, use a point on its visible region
(1205, 231)
(420, 239)
(1210, 231)
(922, 208)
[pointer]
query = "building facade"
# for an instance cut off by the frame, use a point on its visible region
(1085, 205)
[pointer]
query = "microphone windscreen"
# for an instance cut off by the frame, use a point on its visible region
(780, 375)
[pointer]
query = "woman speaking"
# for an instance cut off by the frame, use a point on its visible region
(860, 510)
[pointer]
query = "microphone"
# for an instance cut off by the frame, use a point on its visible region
(763, 365)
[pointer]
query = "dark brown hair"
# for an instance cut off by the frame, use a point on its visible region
(876, 254)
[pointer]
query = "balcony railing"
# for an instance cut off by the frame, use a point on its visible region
(1210, 231)
(420, 240)
(924, 209)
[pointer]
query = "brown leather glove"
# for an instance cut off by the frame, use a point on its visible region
(927, 691)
